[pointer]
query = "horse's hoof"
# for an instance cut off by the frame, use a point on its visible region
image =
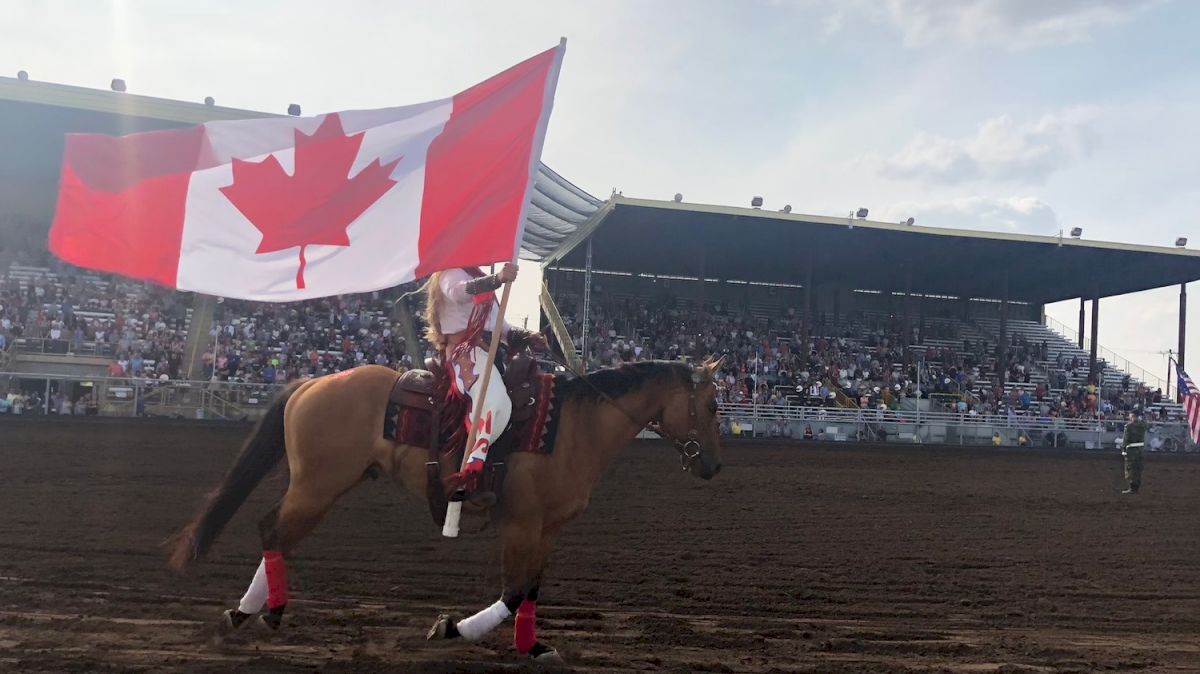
(544, 655)
(444, 628)
(231, 620)
(271, 621)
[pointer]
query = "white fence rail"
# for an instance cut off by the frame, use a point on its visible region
(133, 397)
(941, 427)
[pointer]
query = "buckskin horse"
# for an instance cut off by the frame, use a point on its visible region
(329, 430)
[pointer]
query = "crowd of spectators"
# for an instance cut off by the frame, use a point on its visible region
(275, 343)
(858, 362)
(769, 357)
(65, 310)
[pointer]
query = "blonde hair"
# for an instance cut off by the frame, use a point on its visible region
(434, 300)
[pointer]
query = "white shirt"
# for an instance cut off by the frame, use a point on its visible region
(456, 311)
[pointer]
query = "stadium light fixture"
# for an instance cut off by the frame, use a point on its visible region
(756, 202)
(117, 84)
(294, 109)
(1181, 242)
(210, 101)
(861, 213)
(1076, 232)
(787, 208)
(910, 222)
(678, 197)
(22, 75)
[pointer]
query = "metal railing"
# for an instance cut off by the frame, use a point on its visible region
(63, 347)
(940, 427)
(1136, 371)
(137, 396)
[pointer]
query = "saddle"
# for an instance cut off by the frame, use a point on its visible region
(424, 411)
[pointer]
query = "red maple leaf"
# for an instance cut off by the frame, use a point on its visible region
(315, 204)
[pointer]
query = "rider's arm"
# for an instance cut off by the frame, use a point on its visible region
(459, 286)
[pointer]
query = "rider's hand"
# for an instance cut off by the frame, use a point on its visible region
(508, 273)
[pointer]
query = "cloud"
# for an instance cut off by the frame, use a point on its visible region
(1025, 215)
(1000, 149)
(1016, 24)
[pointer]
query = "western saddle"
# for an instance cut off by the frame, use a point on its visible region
(424, 412)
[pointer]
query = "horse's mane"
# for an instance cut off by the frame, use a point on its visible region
(620, 381)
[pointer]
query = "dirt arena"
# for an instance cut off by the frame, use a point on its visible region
(796, 559)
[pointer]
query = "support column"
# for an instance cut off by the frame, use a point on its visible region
(703, 285)
(1002, 346)
(1093, 374)
(1181, 361)
(1081, 324)
(907, 335)
(587, 307)
(837, 305)
(808, 319)
(921, 308)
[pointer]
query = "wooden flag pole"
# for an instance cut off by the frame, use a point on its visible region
(454, 508)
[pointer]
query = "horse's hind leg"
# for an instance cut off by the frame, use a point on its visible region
(281, 530)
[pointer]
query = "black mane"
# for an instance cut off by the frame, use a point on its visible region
(619, 381)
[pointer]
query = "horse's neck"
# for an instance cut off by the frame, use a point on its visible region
(608, 426)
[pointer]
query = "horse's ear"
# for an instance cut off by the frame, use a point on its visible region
(713, 365)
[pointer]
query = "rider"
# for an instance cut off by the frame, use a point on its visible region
(460, 314)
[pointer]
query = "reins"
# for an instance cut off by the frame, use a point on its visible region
(689, 450)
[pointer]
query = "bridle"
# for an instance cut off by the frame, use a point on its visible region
(689, 450)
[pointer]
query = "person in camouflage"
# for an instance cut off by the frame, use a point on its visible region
(1133, 447)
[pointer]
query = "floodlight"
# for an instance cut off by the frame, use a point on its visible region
(910, 222)
(117, 85)
(1076, 232)
(862, 213)
(678, 197)
(294, 109)
(756, 202)
(210, 101)
(22, 75)
(787, 208)
(1181, 242)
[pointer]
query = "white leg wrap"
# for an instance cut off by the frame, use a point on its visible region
(256, 595)
(483, 622)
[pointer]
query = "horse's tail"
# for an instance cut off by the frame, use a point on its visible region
(263, 449)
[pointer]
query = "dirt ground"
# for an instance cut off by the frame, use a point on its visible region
(798, 558)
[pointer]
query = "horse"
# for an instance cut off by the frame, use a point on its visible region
(329, 430)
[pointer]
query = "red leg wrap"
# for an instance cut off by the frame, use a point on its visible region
(525, 627)
(277, 586)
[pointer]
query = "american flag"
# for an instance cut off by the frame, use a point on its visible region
(1191, 403)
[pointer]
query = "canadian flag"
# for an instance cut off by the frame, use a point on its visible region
(283, 209)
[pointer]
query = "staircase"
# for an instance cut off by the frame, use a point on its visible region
(199, 326)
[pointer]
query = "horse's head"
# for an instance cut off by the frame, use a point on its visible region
(690, 419)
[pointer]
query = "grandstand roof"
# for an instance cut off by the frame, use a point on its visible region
(35, 116)
(667, 238)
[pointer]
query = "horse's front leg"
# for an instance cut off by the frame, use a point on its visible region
(525, 552)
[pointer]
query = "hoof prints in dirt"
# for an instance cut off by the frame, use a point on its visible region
(862, 560)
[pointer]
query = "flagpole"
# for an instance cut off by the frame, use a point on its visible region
(454, 508)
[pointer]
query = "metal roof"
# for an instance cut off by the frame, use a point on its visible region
(669, 238)
(35, 116)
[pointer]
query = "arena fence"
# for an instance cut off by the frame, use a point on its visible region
(912, 426)
(235, 401)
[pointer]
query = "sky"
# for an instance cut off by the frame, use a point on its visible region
(1012, 115)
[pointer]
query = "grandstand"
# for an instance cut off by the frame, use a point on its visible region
(845, 326)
